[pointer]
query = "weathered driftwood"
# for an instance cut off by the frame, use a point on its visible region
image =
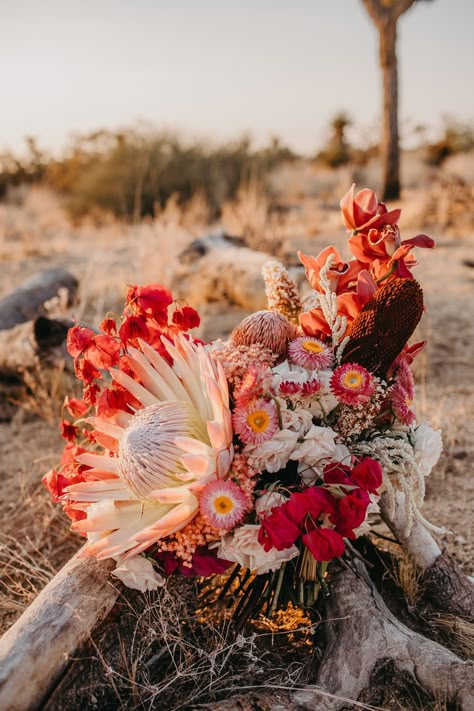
(448, 589)
(37, 648)
(41, 342)
(363, 635)
(30, 299)
(221, 268)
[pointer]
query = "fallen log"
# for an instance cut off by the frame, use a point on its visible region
(364, 635)
(448, 589)
(26, 346)
(221, 268)
(36, 650)
(31, 298)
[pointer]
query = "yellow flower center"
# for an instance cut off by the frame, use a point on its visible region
(258, 421)
(313, 347)
(353, 380)
(223, 504)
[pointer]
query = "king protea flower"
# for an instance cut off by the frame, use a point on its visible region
(161, 456)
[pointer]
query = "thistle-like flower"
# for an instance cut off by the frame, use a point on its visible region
(146, 485)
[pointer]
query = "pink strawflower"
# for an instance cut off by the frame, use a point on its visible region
(401, 404)
(257, 422)
(352, 384)
(289, 387)
(311, 387)
(309, 352)
(223, 504)
(404, 377)
(253, 385)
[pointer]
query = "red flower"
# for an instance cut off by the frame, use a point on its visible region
(68, 431)
(337, 473)
(186, 318)
(362, 211)
(341, 275)
(368, 475)
(351, 511)
(104, 352)
(78, 339)
(90, 393)
(75, 407)
(86, 371)
(150, 298)
(324, 543)
(133, 327)
(109, 326)
(278, 531)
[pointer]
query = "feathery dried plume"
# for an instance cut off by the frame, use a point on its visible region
(282, 292)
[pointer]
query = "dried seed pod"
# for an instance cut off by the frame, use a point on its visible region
(267, 328)
(381, 330)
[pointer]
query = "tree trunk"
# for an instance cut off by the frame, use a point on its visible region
(390, 150)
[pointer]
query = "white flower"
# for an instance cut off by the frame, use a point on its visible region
(265, 503)
(274, 454)
(325, 402)
(298, 420)
(428, 446)
(138, 573)
(243, 548)
(289, 373)
(318, 444)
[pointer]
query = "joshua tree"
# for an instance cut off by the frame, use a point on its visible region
(385, 14)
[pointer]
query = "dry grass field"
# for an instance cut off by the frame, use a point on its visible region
(35, 233)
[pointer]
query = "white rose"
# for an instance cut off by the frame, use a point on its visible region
(138, 573)
(274, 454)
(243, 548)
(318, 444)
(428, 446)
(268, 501)
(299, 420)
(291, 373)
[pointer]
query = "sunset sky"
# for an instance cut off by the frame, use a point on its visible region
(218, 68)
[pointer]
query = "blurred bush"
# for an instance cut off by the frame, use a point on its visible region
(456, 138)
(132, 172)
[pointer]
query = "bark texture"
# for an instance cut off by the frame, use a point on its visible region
(37, 648)
(448, 588)
(220, 268)
(30, 299)
(363, 634)
(41, 342)
(385, 17)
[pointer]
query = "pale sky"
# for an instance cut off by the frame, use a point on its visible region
(221, 68)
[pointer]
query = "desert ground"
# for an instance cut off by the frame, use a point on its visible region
(36, 233)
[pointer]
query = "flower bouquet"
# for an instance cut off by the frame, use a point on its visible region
(265, 454)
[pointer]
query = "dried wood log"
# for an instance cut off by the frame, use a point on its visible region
(41, 342)
(37, 648)
(448, 589)
(221, 268)
(364, 635)
(30, 299)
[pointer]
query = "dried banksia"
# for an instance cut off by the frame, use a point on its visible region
(266, 328)
(379, 333)
(282, 292)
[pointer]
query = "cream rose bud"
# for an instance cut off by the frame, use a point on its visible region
(428, 446)
(268, 501)
(299, 420)
(318, 444)
(274, 454)
(243, 548)
(138, 573)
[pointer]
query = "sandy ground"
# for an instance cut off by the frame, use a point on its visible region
(35, 540)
